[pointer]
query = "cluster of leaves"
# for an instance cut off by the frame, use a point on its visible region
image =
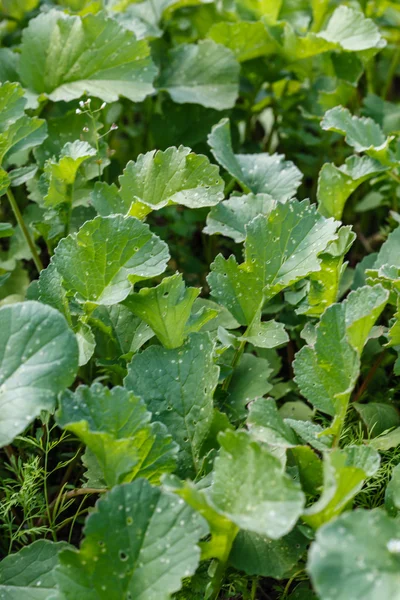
(199, 306)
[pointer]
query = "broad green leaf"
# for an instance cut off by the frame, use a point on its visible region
(296, 409)
(327, 371)
(256, 554)
(386, 266)
(352, 31)
(324, 284)
(357, 556)
(310, 433)
(336, 184)
(344, 474)
(230, 217)
(65, 57)
(175, 176)
(100, 263)
(362, 308)
(266, 334)
(362, 133)
(257, 173)
(267, 425)
(118, 333)
(247, 40)
(387, 441)
(21, 175)
(23, 134)
(115, 426)
(309, 469)
(251, 488)
(392, 493)
(167, 309)
(106, 199)
(378, 417)
(347, 31)
(205, 73)
(30, 573)
(222, 319)
(178, 386)
(86, 342)
(12, 104)
(60, 175)
(223, 530)
(38, 359)
(250, 380)
(51, 290)
(139, 543)
(280, 249)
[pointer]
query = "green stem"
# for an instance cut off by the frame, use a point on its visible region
(391, 73)
(214, 589)
(236, 359)
(46, 492)
(254, 587)
(24, 229)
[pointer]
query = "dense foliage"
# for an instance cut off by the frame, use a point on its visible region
(200, 300)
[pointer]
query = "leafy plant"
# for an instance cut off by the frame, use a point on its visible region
(199, 300)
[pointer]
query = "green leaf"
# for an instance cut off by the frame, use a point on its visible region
(327, 371)
(366, 567)
(140, 542)
(266, 334)
(362, 133)
(269, 266)
(363, 307)
(60, 175)
(65, 57)
(22, 135)
(12, 104)
(344, 474)
(256, 554)
(352, 31)
(387, 441)
(336, 184)
(38, 359)
(175, 176)
(310, 433)
(250, 380)
(230, 217)
(86, 342)
(30, 573)
(247, 40)
(392, 493)
(258, 173)
(251, 488)
(324, 284)
(100, 263)
(309, 468)
(205, 73)
(51, 290)
(178, 387)
(115, 426)
(6, 230)
(118, 332)
(378, 417)
(267, 425)
(167, 309)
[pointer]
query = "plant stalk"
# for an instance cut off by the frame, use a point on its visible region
(24, 229)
